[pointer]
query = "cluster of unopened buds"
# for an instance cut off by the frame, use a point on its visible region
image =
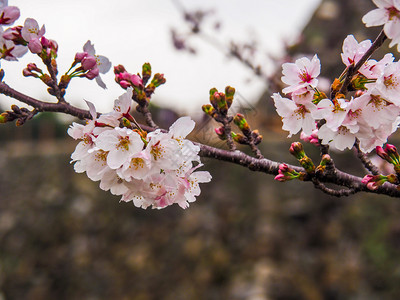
(154, 169)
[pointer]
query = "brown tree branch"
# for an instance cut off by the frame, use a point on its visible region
(237, 157)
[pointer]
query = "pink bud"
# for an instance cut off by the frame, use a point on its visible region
(89, 62)
(124, 84)
(220, 130)
(124, 76)
(93, 73)
(390, 149)
(372, 185)
(136, 80)
(80, 55)
(45, 42)
(367, 178)
(381, 153)
(35, 46)
(9, 15)
(280, 177)
(283, 168)
(27, 73)
(33, 67)
(53, 45)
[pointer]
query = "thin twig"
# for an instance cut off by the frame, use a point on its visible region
(332, 192)
(365, 160)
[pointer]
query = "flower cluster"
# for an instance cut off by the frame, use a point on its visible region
(151, 169)
(91, 64)
(387, 14)
(370, 115)
(16, 41)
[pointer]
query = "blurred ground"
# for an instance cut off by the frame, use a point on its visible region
(246, 237)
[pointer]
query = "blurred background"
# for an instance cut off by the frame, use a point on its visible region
(246, 236)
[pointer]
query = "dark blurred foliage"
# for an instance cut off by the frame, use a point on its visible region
(246, 237)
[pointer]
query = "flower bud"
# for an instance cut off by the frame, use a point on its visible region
(382, 153)
(158, 80)
(136, 80)
(119, 69)
(239, 138)
(286, 173)
(229, 93)
(257, 137)
(146, 72)
(80, 55)
(296, 149)
(89, 62)
(374, 181)
(35, 46)
(307, 164)
(124, 84)
(93, 73)
(241, 122)
(220, 102)
(4, 117)
(28, 73)
(208, 109)
(220, 131)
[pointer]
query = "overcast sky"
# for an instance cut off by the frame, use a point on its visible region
(132, 32)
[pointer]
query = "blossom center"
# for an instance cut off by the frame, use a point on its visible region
(301, 111)
(354, 114)
(101, 156)
(393, 13)
(123, 143)
(390, 82)
(377, 102)
(305, 76)
(157, 150)
(137, 163)
(343, 130)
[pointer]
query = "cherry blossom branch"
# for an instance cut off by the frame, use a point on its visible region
(364, 159)
(56, 91)
(335, 176)
(332, 192)
(271, 167)
(42, 106)
(352, 69)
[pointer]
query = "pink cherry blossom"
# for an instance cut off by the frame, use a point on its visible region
(121, 144)
(9, 14)
(341, 138)
(295, 116)
(302, 73)
(32, 34)
(156, 173)
(102, 62)
(10, 51)
(353, 51)
(389, 82)
(387, 14)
